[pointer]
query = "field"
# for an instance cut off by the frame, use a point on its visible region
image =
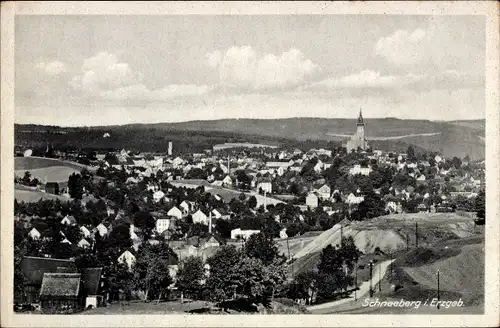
(30, 196)
(58, 174)
(31, 163)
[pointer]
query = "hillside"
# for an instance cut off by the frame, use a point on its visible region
(457, 138)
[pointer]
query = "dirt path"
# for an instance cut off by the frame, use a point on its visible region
(364, 288)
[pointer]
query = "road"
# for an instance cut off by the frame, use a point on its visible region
(364, 288)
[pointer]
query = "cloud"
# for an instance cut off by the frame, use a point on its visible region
(243, 68)
(104, 72)
(363, 79)
(52, 68)
(368, 80)
(402, 47)
(140, 92)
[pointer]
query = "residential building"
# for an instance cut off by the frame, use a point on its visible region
(312, 200)
(244, 234)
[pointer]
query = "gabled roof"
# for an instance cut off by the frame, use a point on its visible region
(35, 267)
(60, 284)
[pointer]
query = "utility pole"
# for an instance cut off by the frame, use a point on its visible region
(371, 282)
(288, 246)
(416, 234)
(438, 288)
(356, 283)
(379, 279)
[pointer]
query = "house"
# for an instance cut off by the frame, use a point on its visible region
(175, 212)
(357, 169)
(210, 241)
(243, 234)
(133, 234)
(312, 200)
(421, 179)
(101, 229)
(59, 292)
(200, 217)
(220, 213)
(265, 186)
(422, 208)
(91, 285)
(127, 258)
(162, 224)
(34, 234)
(52, 188)
(85, 232)
(34, 269)
(324, 192)
(68, 220)
(158, 195)
(353, 199)
(283, 234)
(185, 206)
(227, 181)
(83, 243)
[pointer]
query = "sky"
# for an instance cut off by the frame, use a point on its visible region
(108, 70)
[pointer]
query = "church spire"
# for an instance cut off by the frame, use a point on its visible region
(360, 117)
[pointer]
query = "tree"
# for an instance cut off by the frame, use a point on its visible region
(152, 269)
(119, 238)
(222, 281)
(262, 247)
(26, 178)
(372, 206)
(252, 202)
(19, 277)
(75, 186)
(190, 277)
(410, 152)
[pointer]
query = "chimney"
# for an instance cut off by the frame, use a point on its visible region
(210, 223)
(170, 148)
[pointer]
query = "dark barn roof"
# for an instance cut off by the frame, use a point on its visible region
(60, 285)
(35, 267)
(90, 280)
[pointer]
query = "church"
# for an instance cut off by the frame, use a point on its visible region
(358, 140)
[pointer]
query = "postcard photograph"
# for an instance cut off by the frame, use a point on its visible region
(249, 164)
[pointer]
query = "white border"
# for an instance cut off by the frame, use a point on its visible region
(488, 9)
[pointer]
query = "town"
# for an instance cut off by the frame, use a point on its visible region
(237, 224)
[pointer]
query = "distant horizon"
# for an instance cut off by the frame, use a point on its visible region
(253, 119)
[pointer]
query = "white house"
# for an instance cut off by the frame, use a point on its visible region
(220, 214)
(357, 169)
(85, 232)
(200, 217)
(162, 224)
(283, 234)
(68, 220)
(102, 230)
(324, 191)
(352, 199)
(438, 159)
(227, 181)
(177, 162)
(158, 195)
(127, 258)
(83, 243)
(265, 186)
(238, 233)
(34, 234)
(133, 235)
(175, 212)
(312, 200)
(185, 206)
(280, 171)
(65, 241)
(421, 178)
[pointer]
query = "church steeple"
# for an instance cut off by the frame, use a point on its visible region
(360, 118)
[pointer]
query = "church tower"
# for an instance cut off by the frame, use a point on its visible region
(360, 131)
